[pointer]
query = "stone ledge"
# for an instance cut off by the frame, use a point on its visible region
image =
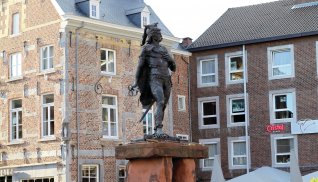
(161, 149)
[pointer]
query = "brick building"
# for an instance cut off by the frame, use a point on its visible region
(64, 71)
(256, 114)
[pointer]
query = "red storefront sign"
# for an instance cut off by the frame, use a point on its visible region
(275, 128)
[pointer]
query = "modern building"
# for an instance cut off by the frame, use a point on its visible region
(65, 66)
(254, 88)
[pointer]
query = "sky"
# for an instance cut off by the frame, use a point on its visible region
(190, 18)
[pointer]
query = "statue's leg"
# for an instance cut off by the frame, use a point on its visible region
(157, 92)
(166, 92)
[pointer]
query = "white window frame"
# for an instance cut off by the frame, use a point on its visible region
(106, 72)
(16, 63)
(145, 14)
(96, 5)
(229, 99)
(182, 101)
(15, 24)
(33, 179)
(228, 71)
(48, 106)
(90, 165)
(272, 109)
(231, 141)
(317, 56)
(270, 51)
(6, 178)
(116, 115)
(183, 137)
(200, 112)
(274, 138)
(47, 59)
(215, 141)
(125, 169)
(199, 71)
(16, 111)
(152, 123)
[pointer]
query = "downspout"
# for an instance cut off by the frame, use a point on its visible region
(189, 101)
(76, 99)
(246, 112)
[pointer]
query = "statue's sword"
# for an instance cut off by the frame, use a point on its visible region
(133, 92)
(145, 113)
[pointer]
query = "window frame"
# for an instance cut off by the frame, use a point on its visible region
(200, 112)
(272, 106)
(15, 24)
(96, 4)
(124, 167)
(270, 51)
(229, 99)
(49, 114)
(274, 138)
(16, 110)
(109, 136)
(213, 141)
(317, 57)
(47, 59)
(152, 123)
(199, 71)
(17, 57)
(228, 71)
(106, 72)
(183, 99)
(90, 165)
(231, 141)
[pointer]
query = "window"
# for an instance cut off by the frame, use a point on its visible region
(207, 71)
(94, 9)
(282, 144)
(121, 173)
(181, 103)
(15, 23)
(109, 116)
(237, 152)
(6, 179)
(16, 119)
(90, 173)
(50, 179)
(15, 65)
(144, 21)
(281, 62)
(148, 122)
(145, 17)
(283, 105)
(183, 137)
(236, 110)
(108, 61)
(47, 58)
(234, 67)
(48, 115)
(213, 149)
(208, 111)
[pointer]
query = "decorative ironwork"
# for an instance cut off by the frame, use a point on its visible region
(98, 86)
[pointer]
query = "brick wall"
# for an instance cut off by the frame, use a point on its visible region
(258, 88)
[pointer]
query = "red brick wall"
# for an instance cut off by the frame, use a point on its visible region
(258, 87)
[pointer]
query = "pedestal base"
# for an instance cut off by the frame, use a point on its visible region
(162, 161)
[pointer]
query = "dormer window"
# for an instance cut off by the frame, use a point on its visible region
(145, 17)
(94, 9)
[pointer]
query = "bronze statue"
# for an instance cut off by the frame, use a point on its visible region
(153, 77)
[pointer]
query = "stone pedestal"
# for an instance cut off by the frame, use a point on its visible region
(161, 161)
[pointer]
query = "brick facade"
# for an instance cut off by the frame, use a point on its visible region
(259, 87)
(78, 87)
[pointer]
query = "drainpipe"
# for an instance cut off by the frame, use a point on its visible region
(189, 101)
(76, 99)
(246, 111)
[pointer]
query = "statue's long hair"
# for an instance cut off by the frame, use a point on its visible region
(148, 32)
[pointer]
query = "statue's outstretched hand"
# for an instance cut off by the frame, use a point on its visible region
(133, 89)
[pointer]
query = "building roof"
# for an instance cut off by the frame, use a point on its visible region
(259, 23)
(115, 12)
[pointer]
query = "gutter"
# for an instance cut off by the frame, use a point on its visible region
(253, 41)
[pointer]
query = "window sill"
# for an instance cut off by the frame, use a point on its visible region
(46, 72)
(182, 110)
(110, 138)
(16, 142)
(108, 74)
(206, 169)
(15, 79)
(15, 35)
(281, 77)
(209, 127)
(235, 125)
(46, 139)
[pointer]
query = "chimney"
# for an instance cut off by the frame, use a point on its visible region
(186, 42)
